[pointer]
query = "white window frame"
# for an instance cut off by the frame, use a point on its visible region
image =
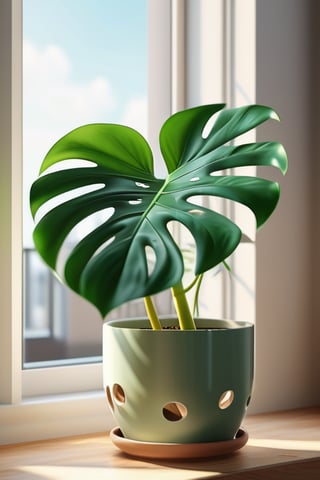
(43, 403)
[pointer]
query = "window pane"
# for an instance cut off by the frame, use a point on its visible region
(83, 61)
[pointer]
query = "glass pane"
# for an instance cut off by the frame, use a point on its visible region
(84, 61)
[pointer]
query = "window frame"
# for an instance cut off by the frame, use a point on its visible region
(27, 410)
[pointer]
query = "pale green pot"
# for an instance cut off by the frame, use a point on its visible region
(178, 386)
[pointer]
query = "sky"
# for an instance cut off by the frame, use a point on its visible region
(84, 61)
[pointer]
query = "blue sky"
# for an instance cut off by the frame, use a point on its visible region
(100, 37)
(84, 61)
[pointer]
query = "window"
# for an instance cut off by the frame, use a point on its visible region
(77, 56)
(187, 45)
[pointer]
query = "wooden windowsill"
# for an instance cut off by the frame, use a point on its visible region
(282, 445)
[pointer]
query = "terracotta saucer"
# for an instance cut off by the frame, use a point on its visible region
(175, 451)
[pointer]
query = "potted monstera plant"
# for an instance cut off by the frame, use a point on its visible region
(169, 381)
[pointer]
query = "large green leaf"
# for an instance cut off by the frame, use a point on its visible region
(109, 266)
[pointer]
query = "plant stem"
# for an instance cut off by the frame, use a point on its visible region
(185, 318)
(152, 314)
(196, 295)
(192, 284)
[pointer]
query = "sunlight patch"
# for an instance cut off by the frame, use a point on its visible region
(142, 185)
(195, 211)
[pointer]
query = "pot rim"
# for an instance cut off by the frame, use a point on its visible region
(141, 323)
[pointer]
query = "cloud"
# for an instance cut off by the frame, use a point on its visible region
(55, 103)
(135, 115)
(53, 98)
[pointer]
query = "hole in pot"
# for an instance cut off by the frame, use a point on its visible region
(248, 401)
(118, 394)
(109, 398)
(226, 399)
(174, 411)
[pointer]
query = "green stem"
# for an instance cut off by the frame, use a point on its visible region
(192, 284)
(196, 295)
(185, 318)
(152, 314)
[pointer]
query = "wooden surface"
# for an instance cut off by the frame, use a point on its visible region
(284, 445)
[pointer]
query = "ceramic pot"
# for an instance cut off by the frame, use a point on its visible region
(178, 386)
